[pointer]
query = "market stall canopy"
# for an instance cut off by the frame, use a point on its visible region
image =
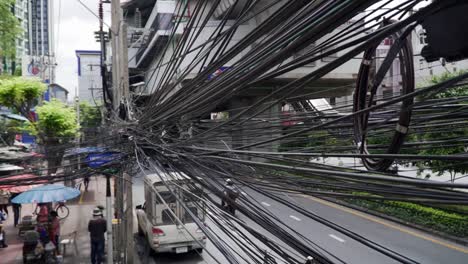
(13, 153)
(47, 194)
(14, 116)
(20, 183)
(9, 167)
(37, 155)
(84, 150)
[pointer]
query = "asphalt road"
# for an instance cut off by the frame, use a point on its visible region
(418, 246)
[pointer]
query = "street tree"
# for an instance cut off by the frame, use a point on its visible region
(451, 132)
(55, 127)
(21, 95)
(8, 130)
(90, 116)
(56, 123)
(9, 31)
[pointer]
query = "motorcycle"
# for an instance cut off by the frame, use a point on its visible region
(228, 205)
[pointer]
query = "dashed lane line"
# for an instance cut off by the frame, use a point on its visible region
(390, 225)
(336, 238)
(295, 218)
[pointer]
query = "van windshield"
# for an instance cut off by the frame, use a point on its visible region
(188, 195)
(167, 196)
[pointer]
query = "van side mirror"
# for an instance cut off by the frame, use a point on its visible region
(139, 207)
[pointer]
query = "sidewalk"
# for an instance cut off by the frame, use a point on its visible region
(80, 213)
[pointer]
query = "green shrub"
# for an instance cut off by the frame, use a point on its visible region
(450, 223)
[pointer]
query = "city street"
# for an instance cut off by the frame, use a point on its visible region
(267, 132)
(414, 244)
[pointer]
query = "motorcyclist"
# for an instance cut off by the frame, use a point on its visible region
(230, 195)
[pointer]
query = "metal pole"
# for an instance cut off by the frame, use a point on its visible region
(110, 247)
(116, 17)
(129, 218)
(77, 102)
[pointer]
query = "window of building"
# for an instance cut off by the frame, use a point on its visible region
(421, 63)
(330, 57)
(422, 37)
(304, 52)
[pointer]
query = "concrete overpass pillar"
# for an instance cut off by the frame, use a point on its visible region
(260, 128)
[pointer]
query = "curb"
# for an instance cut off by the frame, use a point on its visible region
(458, 240)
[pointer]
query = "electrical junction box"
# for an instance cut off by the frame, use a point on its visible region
(447, 34)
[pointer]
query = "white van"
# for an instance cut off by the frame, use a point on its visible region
(158, 224)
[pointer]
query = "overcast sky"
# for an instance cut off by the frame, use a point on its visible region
(74, 30)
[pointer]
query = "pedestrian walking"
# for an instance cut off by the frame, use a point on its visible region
(97, 227)
(86, 182)
(16, 210)
(4, 201)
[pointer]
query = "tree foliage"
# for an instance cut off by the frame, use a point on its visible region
(9, 29)
(56, 122)
(456, 132)
(55, 126)
(8, 129)
(20, 94)
(90, 116)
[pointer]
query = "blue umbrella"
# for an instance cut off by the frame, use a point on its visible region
(46, 194)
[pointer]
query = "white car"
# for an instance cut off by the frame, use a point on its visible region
(156, 217)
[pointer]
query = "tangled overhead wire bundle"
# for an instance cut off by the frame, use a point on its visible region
(245, 72)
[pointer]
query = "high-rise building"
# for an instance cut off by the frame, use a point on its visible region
(22, 43)
(40, 28)
(36, 47)
(20, 11)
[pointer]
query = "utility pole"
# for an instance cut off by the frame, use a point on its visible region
(110, 249)
(116, 16)
(125, 178)
(78, 137)
(103, 37)
(120, 92)
(115, 24)
(129, 218)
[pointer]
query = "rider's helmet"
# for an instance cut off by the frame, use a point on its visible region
(229, 182)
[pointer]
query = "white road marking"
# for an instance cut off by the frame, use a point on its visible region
(212, 215)
(337, 238)
(295, 218)
(266, 204)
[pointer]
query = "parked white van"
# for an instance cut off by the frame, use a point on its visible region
(157, 222)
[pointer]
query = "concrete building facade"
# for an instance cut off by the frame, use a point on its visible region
(151, 47)
(89, 76)
(58, 92)
(157, 22)
(152, 23)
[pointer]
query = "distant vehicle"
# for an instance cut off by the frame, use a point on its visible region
(156, 221)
